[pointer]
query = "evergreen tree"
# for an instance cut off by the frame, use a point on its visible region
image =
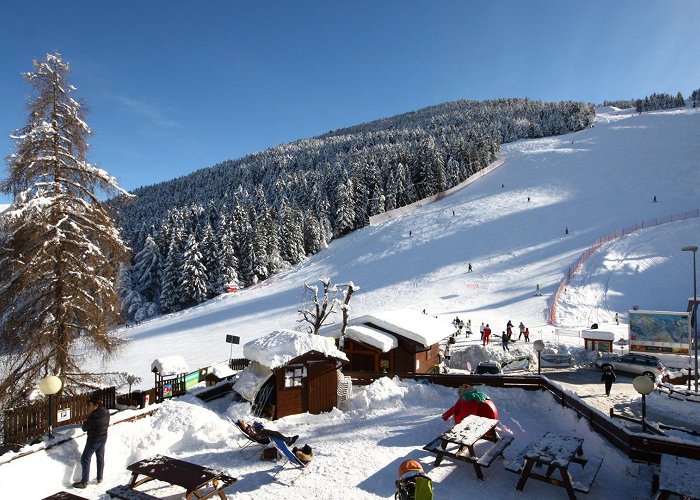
(59, 263)
(170, 292)
(146, 270)
(193, 274)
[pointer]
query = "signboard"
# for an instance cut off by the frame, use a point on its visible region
(63, 414)
(167, 391)
(659, 331)
(191, 379)
(232, 339)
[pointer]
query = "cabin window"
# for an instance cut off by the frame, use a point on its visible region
(293, 376)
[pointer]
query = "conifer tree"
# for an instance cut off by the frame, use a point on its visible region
(193, 274)
(59, 263)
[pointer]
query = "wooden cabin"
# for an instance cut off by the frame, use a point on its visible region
(392, 342)
(598, 340)
(291, 373)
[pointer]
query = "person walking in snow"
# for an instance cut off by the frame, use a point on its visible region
(566, 230)
(617, 319)
(509, 327)
(521, 327)
(504, 341)
(96, 426)
(481, 330)
(608, 377)
(487, 334)
(469, 269)
(527, 334)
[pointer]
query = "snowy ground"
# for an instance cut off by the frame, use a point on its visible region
(593, 182)
(358, 451)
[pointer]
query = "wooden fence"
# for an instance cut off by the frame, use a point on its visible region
(637, 446)
(27, 422)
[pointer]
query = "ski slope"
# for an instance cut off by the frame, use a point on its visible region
(593, 182)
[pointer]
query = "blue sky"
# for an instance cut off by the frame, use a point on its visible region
(175, 86)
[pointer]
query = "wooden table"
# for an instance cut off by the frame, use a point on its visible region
(64, 495)
(458, 443)
(557, 452)
(678, 476)
(194, 478)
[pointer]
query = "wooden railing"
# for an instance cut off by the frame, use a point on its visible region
(27, 422)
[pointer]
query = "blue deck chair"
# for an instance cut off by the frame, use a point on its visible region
(290, 458)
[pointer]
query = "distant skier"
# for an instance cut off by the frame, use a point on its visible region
(469, 269)
(481, 330)
(509, 327)
(521, 327)
(502, 186)
(487, 334)
(617, 319)
(654, 198)
(410, 233)
(453, 213)
(504, 341)
(528, 199)
(537, 290)
(566, 231)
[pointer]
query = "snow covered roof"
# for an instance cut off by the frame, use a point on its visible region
(280, 347)
(170, 365)
(251, 380)
(371, 336)
(413, 325)
(597, 335)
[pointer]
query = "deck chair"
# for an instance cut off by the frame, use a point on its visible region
(289, 458)
(250, 442)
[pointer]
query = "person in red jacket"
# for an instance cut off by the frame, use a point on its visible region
(487, 334)
(472, 402)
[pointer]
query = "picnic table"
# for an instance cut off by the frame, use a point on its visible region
(195, 479)
(557, 452)
(678, 476)
(459, 443)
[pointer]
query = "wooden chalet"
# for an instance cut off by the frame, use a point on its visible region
(291, 373)
(392, 342)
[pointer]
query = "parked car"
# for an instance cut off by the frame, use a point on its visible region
(489, 367)
(637, 364)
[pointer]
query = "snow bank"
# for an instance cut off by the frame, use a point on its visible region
(372, 336)
(280, 347)
(170, 365)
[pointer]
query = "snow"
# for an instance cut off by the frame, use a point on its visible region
(421, 328)
(601, 182)
(251, 380)
(170, 365)
(597, 335)
(373, 337)
(280, 347)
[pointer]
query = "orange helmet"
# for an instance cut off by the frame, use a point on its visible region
(411, 466)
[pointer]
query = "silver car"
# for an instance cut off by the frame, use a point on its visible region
(637, 364)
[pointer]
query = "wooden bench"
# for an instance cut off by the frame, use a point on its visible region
(126, 493)
(495, 451)
(64, 495)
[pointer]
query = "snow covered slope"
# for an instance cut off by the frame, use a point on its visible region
(593, 182)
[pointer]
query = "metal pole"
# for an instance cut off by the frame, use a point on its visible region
(695, 320)
(539, 370)
(50, 416)
(644, 412)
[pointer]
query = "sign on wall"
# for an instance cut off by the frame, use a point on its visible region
(659, 331)
(63, 414)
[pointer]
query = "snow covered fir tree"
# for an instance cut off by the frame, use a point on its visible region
(255, 216)
(61, 248)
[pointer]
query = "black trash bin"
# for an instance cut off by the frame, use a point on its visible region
(141, 397)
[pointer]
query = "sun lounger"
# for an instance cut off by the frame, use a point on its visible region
(250, 440)
(289, 458)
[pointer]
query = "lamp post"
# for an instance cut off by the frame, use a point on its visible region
(49, 386)
(694, 249)
(643, 385)
(538, 345)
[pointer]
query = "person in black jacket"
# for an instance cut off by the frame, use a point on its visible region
(608, 377)
(96, 426)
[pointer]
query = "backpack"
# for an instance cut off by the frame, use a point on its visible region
(418, 487)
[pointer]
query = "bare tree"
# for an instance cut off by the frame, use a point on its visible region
(345, 307)
(321, 308)
(323, 305)
(60, 257)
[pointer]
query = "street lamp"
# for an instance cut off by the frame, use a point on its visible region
(538, 345)
(694, 249)
(643, 385)
(49, 386)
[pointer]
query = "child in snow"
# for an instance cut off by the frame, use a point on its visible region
(487, 334)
